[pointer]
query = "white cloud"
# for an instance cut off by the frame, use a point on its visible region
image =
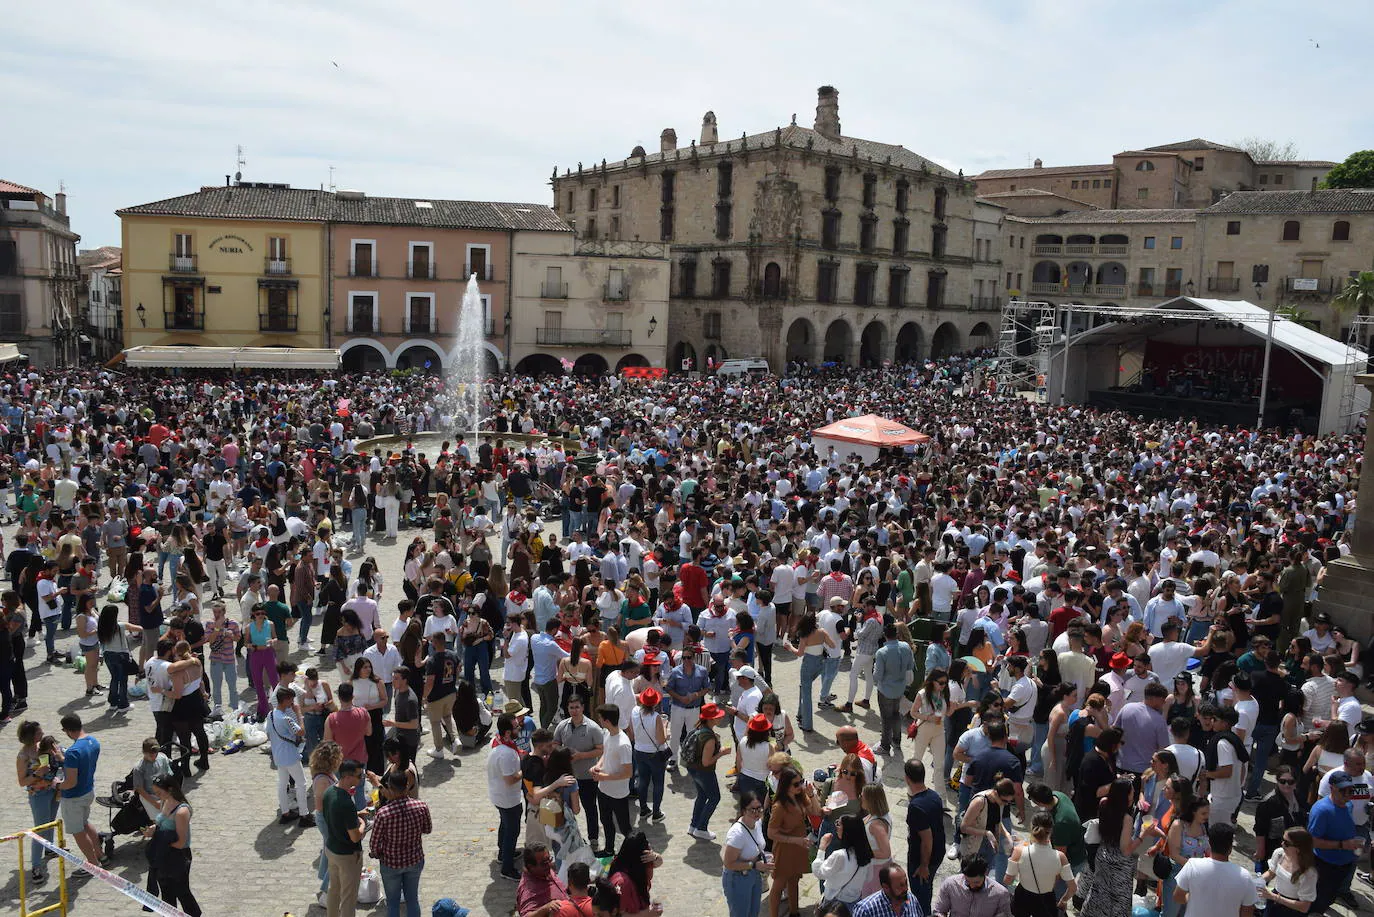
(140, 100)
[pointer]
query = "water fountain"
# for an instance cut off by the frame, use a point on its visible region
(467, 375)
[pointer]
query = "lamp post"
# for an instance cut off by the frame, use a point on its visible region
(1268, 347)
(142, 313)
(653, 325)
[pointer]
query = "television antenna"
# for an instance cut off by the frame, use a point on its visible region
(331, 179)
(241, 162)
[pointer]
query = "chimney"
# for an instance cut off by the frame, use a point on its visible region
(1040, 164)
(828, 112)
(60, 202)
(667, 141)
(708, 129)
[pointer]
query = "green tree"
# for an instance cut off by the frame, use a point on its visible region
(1358, 295)
(1356, 172)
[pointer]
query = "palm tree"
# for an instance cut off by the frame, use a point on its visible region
(1358, 295)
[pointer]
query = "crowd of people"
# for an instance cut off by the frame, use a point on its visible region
(1111, 620)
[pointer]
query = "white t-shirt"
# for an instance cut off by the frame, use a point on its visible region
(829, 622)
(943, 589)
(156, 671)
(620, 691)
(784, 583)
(49, 605)
(503, 761)
(1227, 787)
(519, 661)
(749, 842)
(616, 754)
(1247, 713)
(1024, 694)
(754, 761)
(442, 624)
(1217, 888)
(748, 704)
(1168, 658)
(1190, 760)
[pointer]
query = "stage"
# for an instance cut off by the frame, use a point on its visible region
(1234, 413)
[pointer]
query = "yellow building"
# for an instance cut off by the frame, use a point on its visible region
(228, 266)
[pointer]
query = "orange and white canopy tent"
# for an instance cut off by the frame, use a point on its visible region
(864, 436)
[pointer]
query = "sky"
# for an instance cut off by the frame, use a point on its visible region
(136, 101)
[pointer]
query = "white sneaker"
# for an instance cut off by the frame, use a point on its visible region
(703, 834)
(322, 899)
(306, 646)
(953, 852)
(436, 753)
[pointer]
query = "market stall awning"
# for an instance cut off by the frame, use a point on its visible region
(166, 356)
(871, 430)
(10, 352)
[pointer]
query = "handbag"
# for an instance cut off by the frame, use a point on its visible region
(369, 887)
(551, 812)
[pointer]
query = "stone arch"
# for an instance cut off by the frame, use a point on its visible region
(839, 342)
(684, 358)
(494, 359)
(801, 341)
(945, 341)
(873, 345)
(1080, 274)
(716, 354)
(591, 364)
(1045, 272)
(364, 355)
(908, 343)
(981, 335)
(772, 280)
(631, 359)
(539, 364)
(1111, 273)
(419, 355)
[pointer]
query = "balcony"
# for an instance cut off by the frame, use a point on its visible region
(277, 324)
(582, 337)
(1039, 249)
(617, 291)
(116, 298)
(1113, 249)
(362, 268)
(181, 264)
(363, 324)
(1147, 289)
(984, 304)
(277, 267)
(175, 320)
(1173, 289)
(553, 290)
(771, 291)
(425, 327)
(483, 271)
(1046, 288)
(1113, 290)
(1223, 284)
(1078, 249)
(421, 270)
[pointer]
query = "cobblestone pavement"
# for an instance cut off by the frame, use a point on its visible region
(246, 865)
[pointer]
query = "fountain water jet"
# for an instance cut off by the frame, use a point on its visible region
(468, 372)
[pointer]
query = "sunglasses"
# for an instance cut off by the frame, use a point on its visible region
(754, 809)
(851, 773)
(1283, 782)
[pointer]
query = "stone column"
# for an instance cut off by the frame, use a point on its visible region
(1349, 583)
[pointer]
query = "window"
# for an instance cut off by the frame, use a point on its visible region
(1173, 281)
(901, 231)
(1150, 242)
(1278, 178)
(553, 321)
(830, 230)
(1097, 183)
(1142, 194)
(420, 313)
(1106, 182)
(1176, 243)
(1197, 163)
(615, 321)
(276, 248)
(9, 258)
(571, 206)
(896, 287)
(11, 313)
(723, 221)
(183, 247)
(589, 231)
(1144, 166)
(1147, 282)
(827, 280)
(1233, 227)
(1023, 242)
(941, 200)
(665, 224)
(615, 195)
(184, 315)
(668, 183)
(591, 198)
(1264, 179)
(1012, 188)
(615, 284)
(868, 233)
(1074, 183)
(554, 287)
(615, 226)
(1292, 230)
(278, 316)
(1340, 232)
(710, 325)
(903, 193)
(832, 183)
(362, 313)
(1008, 280)
(725, 179)
(364, 260)
(935, 290)
(720, 279)
(687, 278)
(938, 236)
(421, 261)
(864, 276)
(870, 191)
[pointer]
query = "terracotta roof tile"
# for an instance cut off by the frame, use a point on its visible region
(1332, 201)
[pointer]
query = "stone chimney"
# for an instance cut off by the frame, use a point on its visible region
(1040, 164)
(60, 202)
(828, 112)
(708, 128)
(667, 141)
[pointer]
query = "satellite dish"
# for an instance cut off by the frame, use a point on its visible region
(238, 176)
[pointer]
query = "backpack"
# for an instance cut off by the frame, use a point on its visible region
(1073, 748)
(694, 745)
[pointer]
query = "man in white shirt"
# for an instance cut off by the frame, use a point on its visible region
(1169, 657)
(384, 658)
(1163, 607)
(751, 695)
(503, 789)
(1140, 676)
(1117, 594)
(621, 694)
(612, 774)
(1021, 702)
(831, 620)
(1076, 666)
(1345, 706)
(365, 607)
(1189, 757)
(1213, 885)
(943, 589)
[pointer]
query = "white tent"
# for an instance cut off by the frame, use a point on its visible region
(232, 357)
(1097, 358)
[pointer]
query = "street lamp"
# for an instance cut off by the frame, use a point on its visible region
(653, 325)
(1190, 288)
(142, 315)
(1268, 347)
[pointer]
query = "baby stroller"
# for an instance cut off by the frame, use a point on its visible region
(547, 501)
(126, 812)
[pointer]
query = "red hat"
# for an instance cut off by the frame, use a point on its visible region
(760, 723)
(1121, 661)
(650, 697)
(711, 713)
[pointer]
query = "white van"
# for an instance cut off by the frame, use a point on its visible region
(748, 366)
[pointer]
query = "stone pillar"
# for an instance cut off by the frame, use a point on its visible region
(1349, 583)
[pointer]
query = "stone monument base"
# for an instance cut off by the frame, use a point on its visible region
(1347, 594)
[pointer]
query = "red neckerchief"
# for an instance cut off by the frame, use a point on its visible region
(517, 597)
(837, 575)
(509, 743)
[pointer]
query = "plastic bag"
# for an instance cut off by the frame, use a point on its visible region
(253, 737)
(138, 691)
(369, 888)
(118, 591)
